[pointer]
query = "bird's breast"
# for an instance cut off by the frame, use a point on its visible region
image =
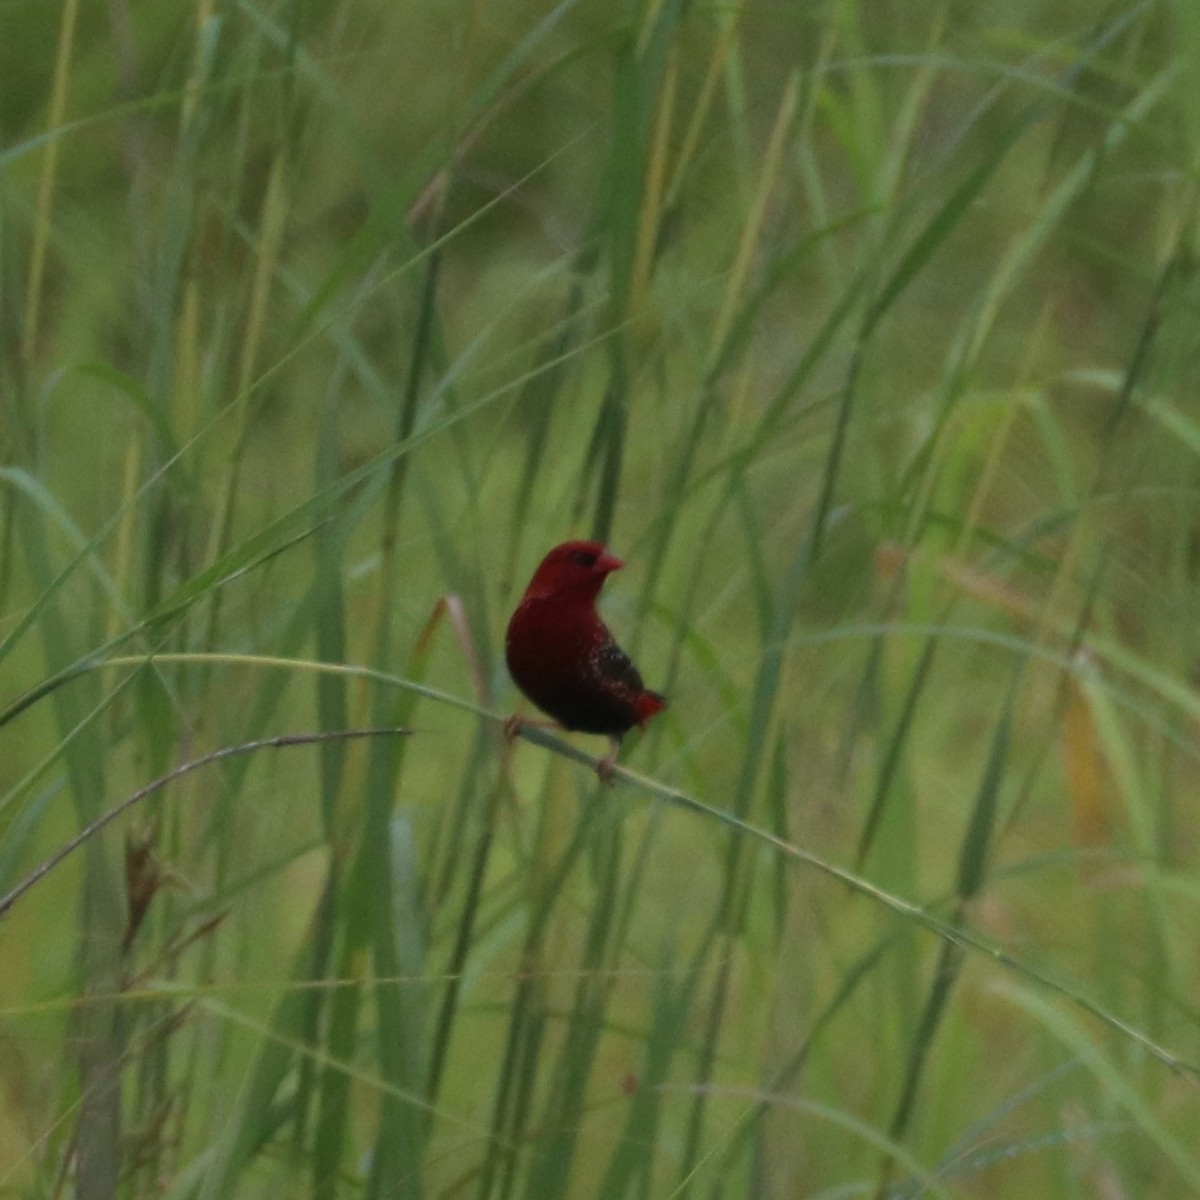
(554, 656)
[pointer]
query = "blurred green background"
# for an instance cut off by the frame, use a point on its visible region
(866, 333)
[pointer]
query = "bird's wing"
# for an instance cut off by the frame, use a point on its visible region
(614, 664)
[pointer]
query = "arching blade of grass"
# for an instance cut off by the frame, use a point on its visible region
(919, 916)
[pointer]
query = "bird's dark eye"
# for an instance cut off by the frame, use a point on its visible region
(583, 558)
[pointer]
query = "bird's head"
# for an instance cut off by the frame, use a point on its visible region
(573, 570)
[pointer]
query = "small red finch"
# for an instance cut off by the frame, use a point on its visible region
(563, 657)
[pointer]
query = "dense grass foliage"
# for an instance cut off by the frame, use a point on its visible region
(865, 332)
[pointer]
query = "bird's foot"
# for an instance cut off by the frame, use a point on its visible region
(606, 767)
(514, 724)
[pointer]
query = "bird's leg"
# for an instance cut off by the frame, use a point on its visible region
(606, 766)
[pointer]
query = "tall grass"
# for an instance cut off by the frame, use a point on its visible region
(865, 334)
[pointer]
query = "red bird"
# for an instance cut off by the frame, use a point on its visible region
(563, 657)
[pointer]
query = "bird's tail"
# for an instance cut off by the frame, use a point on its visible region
(647, 704)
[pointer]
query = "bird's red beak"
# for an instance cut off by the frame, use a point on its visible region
(608, 562)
